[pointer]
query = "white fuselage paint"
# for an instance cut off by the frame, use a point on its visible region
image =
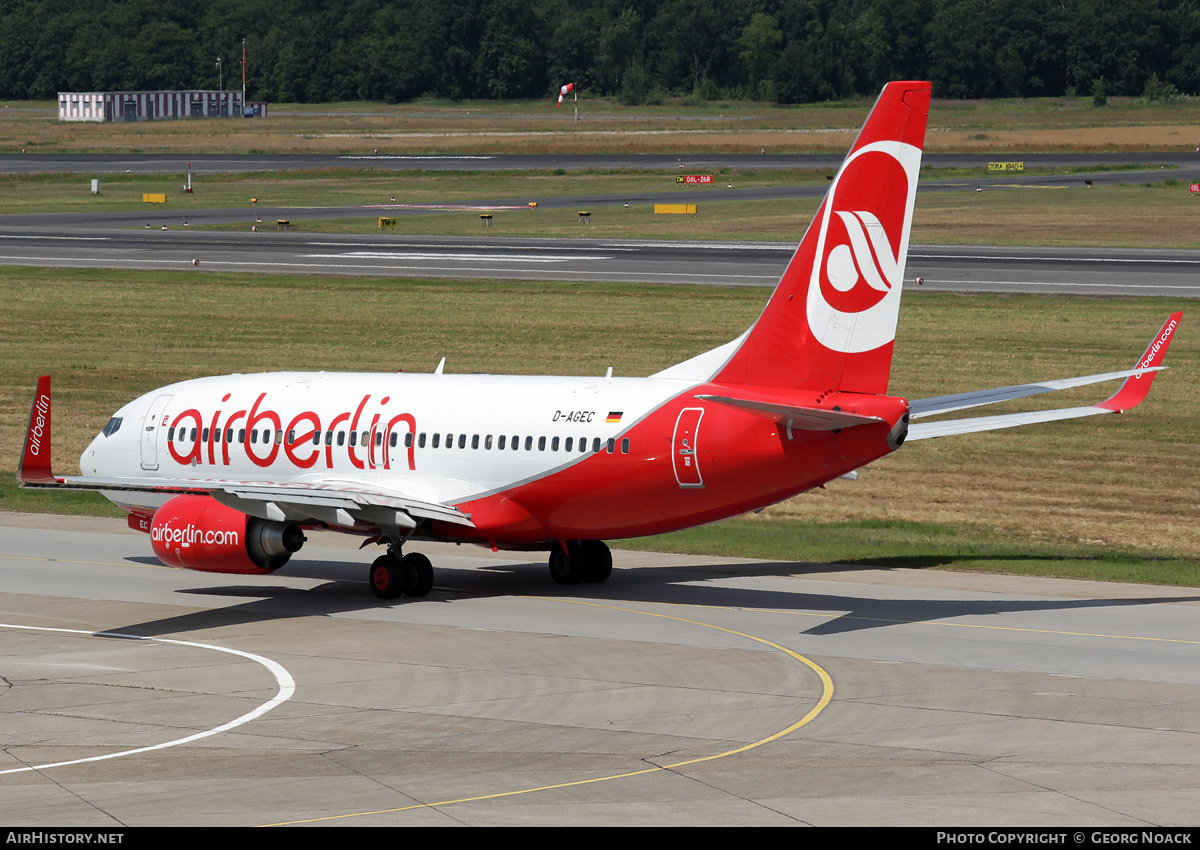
(478, 406)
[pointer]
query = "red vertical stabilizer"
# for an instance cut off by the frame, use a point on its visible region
(35, 458)
(831, 322)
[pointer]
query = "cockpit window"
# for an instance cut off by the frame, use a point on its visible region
(112, 427)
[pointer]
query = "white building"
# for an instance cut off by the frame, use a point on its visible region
(154, 105)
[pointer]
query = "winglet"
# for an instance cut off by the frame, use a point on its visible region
(34, 466)
(1135, 388)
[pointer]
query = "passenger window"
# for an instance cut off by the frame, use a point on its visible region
(366, 438)
(436, 439)
(475, 441)
(204, 434)
(541, 444)
(625, 446)
(278, 437)
(394, 437)
(449, 441)
(329, 438)
(487, 441)
(253, 437)
(612, 445)
(353, 438)
(500, 442)
(421, 441)
(568, 443)
(462, 441)
(529, 444)
(170, 434)
(316, 438)
(341, 440)
(596, 445)
(291, 441)
(379, 438)
(229, 435)
(554, 444)
(242, 436)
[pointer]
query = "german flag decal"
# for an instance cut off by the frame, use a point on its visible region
(613, 417)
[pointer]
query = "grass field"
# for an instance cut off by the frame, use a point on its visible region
(1162, 214)
(1109, 498)
(1114, 497)
(1040, 124)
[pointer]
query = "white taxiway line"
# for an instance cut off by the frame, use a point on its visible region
(1032, 283)
(287, 687)
(409, 255)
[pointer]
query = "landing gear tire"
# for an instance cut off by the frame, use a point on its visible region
(597, 561)
(584, 560)
(419, 572)
(386, 577)
(567, 569)
(392, 576)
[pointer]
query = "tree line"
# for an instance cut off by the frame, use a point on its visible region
(784, 51)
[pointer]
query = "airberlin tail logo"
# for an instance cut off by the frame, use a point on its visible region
(868, 256)
(854, 291)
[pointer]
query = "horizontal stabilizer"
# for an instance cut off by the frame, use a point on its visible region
(801, 418)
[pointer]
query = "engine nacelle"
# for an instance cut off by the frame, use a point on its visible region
(199, 533)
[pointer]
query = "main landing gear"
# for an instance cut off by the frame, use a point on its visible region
(392, 575)
(584, 560)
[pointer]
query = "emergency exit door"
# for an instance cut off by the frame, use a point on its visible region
(685, 453)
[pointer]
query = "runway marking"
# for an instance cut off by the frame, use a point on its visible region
(1045, 259)
(454, 257)
(1156, 286)
(287, 687)
(215, 265)
(825, 699)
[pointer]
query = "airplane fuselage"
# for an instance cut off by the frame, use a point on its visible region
(529, 458)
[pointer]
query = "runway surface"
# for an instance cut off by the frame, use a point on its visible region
(685, 691)
(135, 240)
(151, 163)
(948, 268)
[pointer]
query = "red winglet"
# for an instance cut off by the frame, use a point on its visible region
(1135, 388)
(35, 459)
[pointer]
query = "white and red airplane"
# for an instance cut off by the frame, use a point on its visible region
(227, 473)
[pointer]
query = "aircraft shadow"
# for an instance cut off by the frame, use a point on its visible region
(344, 590)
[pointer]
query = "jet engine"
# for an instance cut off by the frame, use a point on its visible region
(199, 533)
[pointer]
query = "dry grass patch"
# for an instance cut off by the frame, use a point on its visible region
(609, 127)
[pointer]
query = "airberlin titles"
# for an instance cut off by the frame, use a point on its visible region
(1160, 341)
(300, 439)
(40, 422)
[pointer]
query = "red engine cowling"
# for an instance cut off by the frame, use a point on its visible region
(199, 533)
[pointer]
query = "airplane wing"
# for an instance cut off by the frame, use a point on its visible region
(334, 501)
(1131, 393)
